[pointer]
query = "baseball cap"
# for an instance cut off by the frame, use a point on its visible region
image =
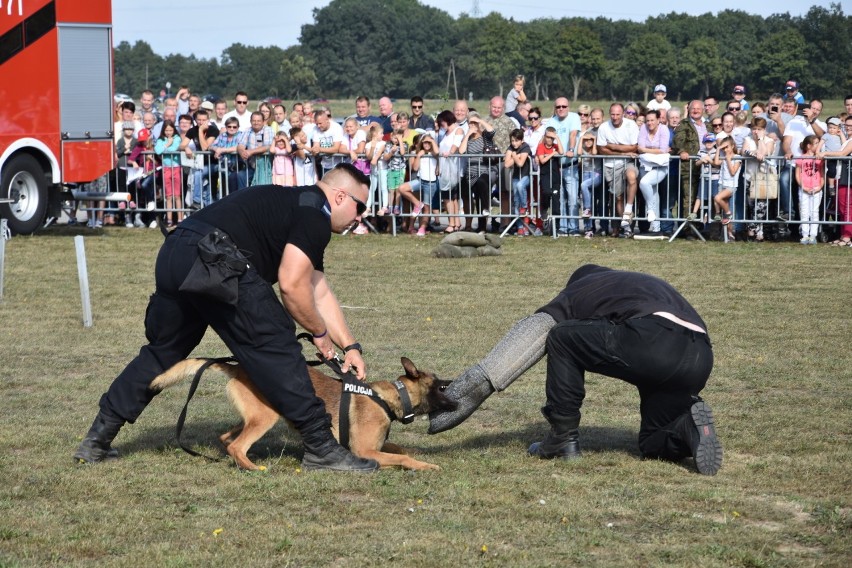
(709, 137)
(834, 120)
(792, 85)
(660, 89)
(207, 105)
(739, 90)
(143, 135)
(128, 126)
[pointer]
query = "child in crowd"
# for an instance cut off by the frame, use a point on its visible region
(303, 162)
(832, 141)
(167, 146)
(394, 157)
(282, 164)
(591, 176)
(550, 169)
(709, 175)
(809, 177)
(146, 193)
(729, 177)
(517, 159)
(741, 130)
(373, 151)
(425, 163)
(353, 144)
(659, 101)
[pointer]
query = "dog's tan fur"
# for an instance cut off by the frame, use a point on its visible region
(369, 423)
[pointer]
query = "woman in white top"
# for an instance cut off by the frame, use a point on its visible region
(449, 167)
(758, 148)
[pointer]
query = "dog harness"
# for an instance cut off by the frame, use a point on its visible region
(351, 385)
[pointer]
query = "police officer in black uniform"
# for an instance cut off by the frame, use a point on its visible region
(628, 325)
(215, 270)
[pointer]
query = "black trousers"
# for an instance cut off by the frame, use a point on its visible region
(258, 331)
(667, 362)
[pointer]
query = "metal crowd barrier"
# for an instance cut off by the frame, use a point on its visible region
(140, 194)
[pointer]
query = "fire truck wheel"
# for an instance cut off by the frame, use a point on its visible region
(23, 182)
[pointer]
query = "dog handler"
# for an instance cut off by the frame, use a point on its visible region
(215, 270)
(628, 325)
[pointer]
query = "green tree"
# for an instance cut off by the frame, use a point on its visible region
(489, 51)
(137, 68)
(704, 66)
(647, 60)
(297, 75)
(827, 33)
(403, 49)
(782, 58)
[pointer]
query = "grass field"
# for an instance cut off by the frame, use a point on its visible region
(779, 316)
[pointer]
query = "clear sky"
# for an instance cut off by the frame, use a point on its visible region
(206, 27)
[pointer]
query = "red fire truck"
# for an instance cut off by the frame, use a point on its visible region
(56, 105)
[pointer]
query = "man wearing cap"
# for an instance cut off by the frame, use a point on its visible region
(738, 94)
(659, 101)
(628, 325)
(792, 92)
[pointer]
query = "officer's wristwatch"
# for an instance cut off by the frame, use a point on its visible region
(356, 346)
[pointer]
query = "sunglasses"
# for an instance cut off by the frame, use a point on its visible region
(534, 117)
(714, 125)
(360, 206)
(561, 106)
(416, 106)
(241, 102)
(730, 108)
(630, 113)
(583, 114)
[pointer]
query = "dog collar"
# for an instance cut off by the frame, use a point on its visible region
(407, 410)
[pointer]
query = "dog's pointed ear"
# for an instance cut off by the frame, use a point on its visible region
(410, 370)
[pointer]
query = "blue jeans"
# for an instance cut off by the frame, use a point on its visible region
(787, 179)
(520, 187)
(201, 184)
(591, 179)
(569, 200)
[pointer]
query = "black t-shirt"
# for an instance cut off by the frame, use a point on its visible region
(212, 132)
(597, 292)
(263, 219)
(523, 171)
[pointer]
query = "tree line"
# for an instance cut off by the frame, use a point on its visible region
(400, 48)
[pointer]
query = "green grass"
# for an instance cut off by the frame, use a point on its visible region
(779, 316)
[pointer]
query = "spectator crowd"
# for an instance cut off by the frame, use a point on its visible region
(723, 167)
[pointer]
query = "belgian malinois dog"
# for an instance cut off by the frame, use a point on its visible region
(369, 422)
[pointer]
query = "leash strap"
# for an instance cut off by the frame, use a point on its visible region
(192, 388)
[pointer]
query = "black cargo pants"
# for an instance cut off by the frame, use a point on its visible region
(257, 330)
(667, 362)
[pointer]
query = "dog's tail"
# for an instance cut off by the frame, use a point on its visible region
(186, 369)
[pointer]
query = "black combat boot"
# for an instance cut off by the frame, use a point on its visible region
(702, 439)
(95, 447)
(323, 452)
(563, 440)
